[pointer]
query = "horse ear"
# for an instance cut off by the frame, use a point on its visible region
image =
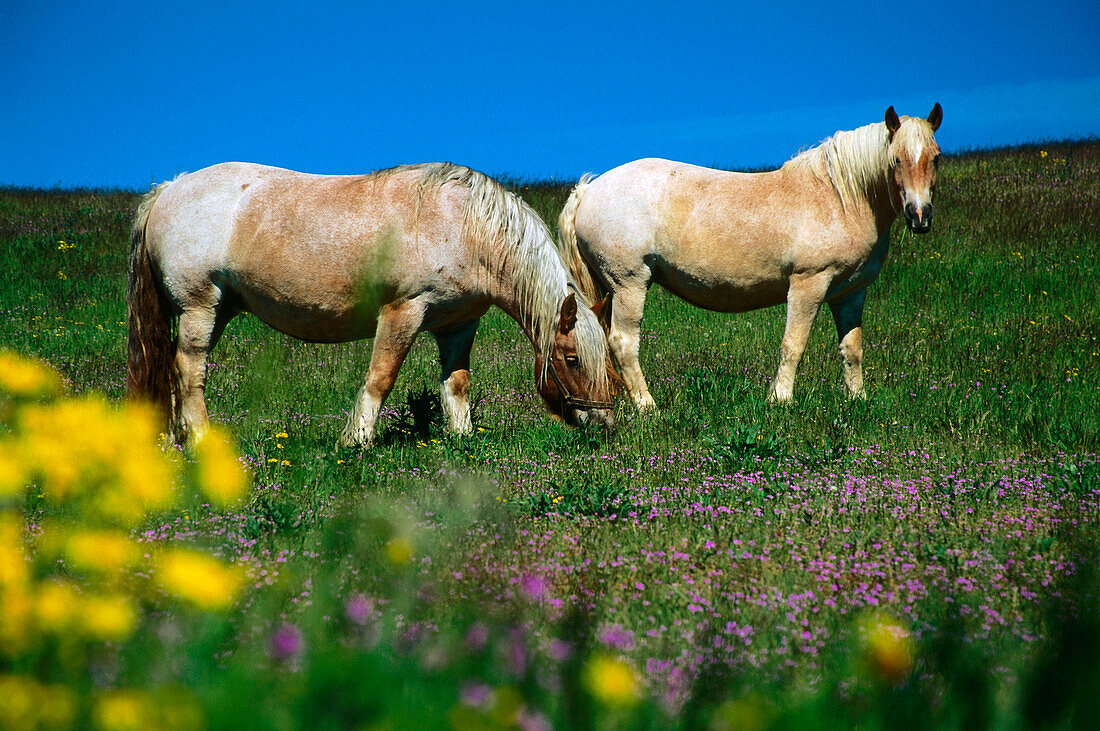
(935, 117)
(568, 314)
(602, 311)
(892, 121)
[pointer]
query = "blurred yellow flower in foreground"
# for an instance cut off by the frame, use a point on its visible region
(107, 617)
(612, 681)
(887, 647)
(399, 550)
(13, 475)
(222, 477)
(122, 710)
(56, 606)
(77, 576)
(14, 569)
(201, 580)
(27, 378)
(135, 710)
(105, 551)
(109, 456)
(31, 705)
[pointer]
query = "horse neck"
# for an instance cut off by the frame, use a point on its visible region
(854, 165)
(524, 274)
(886, 204)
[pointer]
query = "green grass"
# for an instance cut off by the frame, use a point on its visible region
(971, 469)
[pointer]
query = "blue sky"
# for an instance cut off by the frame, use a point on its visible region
(122, 94)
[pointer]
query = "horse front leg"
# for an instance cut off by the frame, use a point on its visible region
(624, 341)
(848, 315)
(454, 378)
(397, 327)
(804, 298)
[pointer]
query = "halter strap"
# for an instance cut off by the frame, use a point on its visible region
(570, 399)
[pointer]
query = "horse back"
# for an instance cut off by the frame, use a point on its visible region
(308, 254)
(722, 240)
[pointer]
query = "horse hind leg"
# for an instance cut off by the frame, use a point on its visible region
(624, 341)
(199, 331)
(398, 325)
(804, 298)
(848, 315)
(454, 379)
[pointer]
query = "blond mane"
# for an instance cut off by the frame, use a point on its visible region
(854, 162)
(504, 231)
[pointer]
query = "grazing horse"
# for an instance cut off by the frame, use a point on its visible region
(816, 230)
(339, 258)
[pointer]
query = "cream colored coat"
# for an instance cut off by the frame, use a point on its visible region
(814, 231)
(340, 258)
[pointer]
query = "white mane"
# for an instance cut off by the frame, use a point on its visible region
(506, 231)
(855, 162)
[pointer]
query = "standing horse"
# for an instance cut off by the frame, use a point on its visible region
(816, 230)
(340, 258)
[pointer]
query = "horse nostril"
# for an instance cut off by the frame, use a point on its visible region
(605, 418)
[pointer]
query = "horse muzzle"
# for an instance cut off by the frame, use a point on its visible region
(599, 417)
(918, 220)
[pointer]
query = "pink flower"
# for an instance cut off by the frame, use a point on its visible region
(286, 642)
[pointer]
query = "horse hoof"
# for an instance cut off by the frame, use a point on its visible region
(352, 441)
(783, 399)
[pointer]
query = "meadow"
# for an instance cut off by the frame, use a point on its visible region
(922, 558)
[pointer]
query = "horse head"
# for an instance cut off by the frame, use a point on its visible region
(913, 156)
(577, 384)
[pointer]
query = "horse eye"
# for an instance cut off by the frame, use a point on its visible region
(572, 361)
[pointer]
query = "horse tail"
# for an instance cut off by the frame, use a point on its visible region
(151, 372)
(569, 248)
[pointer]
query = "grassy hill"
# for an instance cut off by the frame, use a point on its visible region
(734, 552)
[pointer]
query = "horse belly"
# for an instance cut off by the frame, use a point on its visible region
(723, 291)
(317, 321)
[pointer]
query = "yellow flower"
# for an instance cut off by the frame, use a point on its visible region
(14, 569)
(222, 477)
(1042, 153)
(17, 710)
(887, 647)
(27, 378)
(58, 707)
(611, 681)
(26, 704)
(201, 580)
(282, 435)
(84, 447)
(399, 550)
(101, 550)
(110, 617)
(122, 710)
(13, 474)
(56, 606)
